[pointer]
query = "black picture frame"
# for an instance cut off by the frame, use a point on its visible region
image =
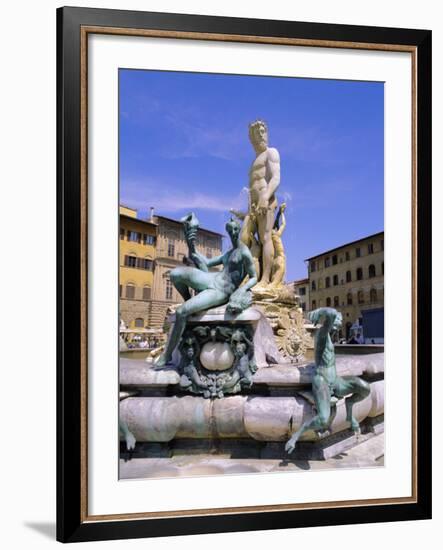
(72, 523)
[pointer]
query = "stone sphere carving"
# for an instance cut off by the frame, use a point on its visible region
(216, 356)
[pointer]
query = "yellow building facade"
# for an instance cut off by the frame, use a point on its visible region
(149, 249)
(349, 278)
(137, 253)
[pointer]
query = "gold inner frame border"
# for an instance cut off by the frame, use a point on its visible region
(84, 33)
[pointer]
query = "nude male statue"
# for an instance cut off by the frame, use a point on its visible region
(264, 179)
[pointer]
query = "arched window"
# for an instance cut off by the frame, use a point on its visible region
(130, 291)
(328, 282)
(360, 297)
(373, 295)
(314, 304)
(313, 286)
(349, 299)
(328, 302)
(335, 280)
(348, 276)
(371, 271)
(359, 273)
(336, 301)
(146, 293)
(139, 322)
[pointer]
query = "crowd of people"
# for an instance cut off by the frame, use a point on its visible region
(138, 341)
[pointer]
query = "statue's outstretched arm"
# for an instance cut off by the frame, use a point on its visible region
(211, 262)
(199, 260)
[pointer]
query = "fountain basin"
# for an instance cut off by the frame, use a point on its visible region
(256, 417)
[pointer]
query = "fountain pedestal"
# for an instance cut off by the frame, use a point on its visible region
(281, 307)
(265, 350)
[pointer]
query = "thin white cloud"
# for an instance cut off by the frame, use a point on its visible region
(166, 199)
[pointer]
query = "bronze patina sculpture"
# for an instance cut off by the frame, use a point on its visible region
(127, 434)
(325, 383)
(212, 288)
(197, 379)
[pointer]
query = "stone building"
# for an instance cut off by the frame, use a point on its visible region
(170, 251)
(350, 278)
(149, 249)
(137, 252)
(301, 289)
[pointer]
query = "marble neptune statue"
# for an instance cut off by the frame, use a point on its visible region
(259, 221)
(325, 383)
(212, 288)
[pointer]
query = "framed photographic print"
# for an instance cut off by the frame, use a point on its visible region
(244, 271)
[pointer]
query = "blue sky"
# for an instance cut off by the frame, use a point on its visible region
(184, 146)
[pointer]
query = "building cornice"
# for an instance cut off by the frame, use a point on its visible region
(341, 247)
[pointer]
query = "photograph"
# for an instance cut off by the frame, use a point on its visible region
(251, 274)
